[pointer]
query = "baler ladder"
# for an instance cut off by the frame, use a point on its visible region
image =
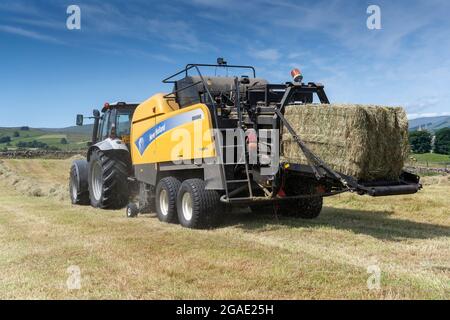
(237, 103)
(242, 144)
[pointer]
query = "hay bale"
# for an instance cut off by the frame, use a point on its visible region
(366, 142)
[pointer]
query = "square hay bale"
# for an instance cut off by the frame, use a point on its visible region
(363, 141)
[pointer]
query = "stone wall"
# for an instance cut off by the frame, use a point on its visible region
(46, 154)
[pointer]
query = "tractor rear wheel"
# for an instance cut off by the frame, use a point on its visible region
(166, 199)
(197, 207)
(108, 180)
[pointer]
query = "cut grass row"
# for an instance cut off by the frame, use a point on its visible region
(249, 256)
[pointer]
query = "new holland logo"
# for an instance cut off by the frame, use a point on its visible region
(164, 126)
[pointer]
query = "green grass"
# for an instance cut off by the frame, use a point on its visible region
(248, 257)
(429, 159)
(432, 157)
(23, 134)
(76, 141)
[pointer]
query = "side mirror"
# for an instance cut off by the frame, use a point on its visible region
(79, 119)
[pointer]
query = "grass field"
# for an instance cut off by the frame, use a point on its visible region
(249, 256)
(76, 140)
(431, 159)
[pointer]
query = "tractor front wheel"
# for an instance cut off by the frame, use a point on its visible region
(78, 184)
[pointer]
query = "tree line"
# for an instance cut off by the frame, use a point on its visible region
(35, 144)
(422, 141)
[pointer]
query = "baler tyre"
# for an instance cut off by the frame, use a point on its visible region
(166, 199)
(197, 207)
(108, 180)
(262, 209)
(78, 185)
(132, 210)
(309, 208)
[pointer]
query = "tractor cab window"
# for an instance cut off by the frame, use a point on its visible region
(105, 126)
(123, 123)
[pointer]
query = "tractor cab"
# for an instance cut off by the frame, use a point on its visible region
(113, 122)
(116, 121)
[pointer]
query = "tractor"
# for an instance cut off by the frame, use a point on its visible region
(102, 179)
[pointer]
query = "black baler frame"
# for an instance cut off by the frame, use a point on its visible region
(408, 183)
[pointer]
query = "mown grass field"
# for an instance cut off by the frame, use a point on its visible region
(249, 256)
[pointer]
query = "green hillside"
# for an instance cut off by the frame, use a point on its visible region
(76, 139)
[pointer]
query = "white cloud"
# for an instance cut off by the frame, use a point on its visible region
(41, 22)
(170, 32)
(29, 34)
(266, 54)
(424, 103)
(19, 7)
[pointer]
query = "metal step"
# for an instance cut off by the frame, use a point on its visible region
(237, 181)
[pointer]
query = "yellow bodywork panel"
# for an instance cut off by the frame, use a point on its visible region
(155, 105)
(162, 132)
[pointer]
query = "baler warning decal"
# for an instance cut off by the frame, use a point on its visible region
(162, 127)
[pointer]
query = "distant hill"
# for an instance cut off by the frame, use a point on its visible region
(86, 129)
(76, 137)
(429, 123)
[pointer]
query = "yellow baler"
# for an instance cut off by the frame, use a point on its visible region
(180, 143)
(212, 143)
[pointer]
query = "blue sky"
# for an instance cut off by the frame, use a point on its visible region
(124, 49)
